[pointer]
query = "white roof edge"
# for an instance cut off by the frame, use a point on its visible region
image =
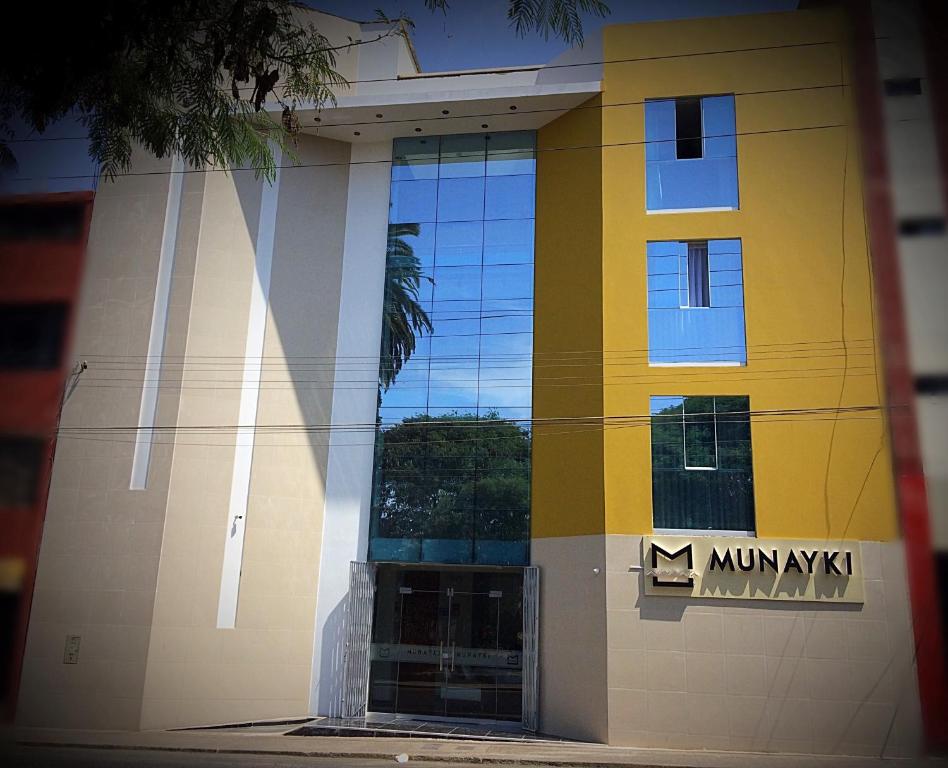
(471, 94)
(465, 72)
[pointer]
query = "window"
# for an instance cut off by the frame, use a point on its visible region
(699, 286)
(691, 153)
(452, 461)
(695, 302)
(702, 475)
(688, 138)
(46, 221)
(21, 460)
(31, 335)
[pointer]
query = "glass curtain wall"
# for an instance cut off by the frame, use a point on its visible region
(452, 460)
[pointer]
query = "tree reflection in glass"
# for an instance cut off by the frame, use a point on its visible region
(452, 466)
(402, 313)
(702, 468)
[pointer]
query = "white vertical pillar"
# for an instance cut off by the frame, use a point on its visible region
(249, 394)
(349, 473)
(156, 337)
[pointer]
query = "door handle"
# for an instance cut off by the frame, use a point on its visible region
(441, 657)
(453, 647)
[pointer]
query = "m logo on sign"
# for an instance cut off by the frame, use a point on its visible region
(657, 573)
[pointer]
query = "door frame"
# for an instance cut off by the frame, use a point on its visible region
(360, 613)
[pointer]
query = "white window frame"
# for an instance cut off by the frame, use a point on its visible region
(684, 438)
(702, 532)
(707, 256)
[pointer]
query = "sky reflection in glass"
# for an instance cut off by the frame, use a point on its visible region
(680, 334)
(452, 469)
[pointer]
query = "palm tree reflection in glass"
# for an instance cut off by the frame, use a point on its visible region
(403, 315)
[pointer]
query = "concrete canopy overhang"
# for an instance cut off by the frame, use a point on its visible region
(446, 103)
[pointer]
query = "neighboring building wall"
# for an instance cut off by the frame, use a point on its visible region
(754, 676)
(903, 119)
(199, 673)
(40, 266)
(567, 510)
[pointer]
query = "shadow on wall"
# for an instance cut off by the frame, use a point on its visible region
(332, 660)
(296, 384)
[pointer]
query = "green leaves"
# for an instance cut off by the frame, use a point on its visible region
(559, 17)
(173, 76)
(193, 76)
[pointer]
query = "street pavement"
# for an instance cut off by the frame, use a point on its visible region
(83, 757)
(268, 747)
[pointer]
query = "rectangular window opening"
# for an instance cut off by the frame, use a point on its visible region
(710, 434)
(41, 222)
(684, 276)
(21, 464)
(699, 278)
(32, 336)
(688, 136)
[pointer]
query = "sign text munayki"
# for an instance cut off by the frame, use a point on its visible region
(755, 569)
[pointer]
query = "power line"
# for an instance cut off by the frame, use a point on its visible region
(571, 353)
(506, 113)
(350, 163)
(343, 363)
(476, 375)
(473, 422)
(309, 444)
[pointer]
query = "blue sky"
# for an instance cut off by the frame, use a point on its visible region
(475, 33)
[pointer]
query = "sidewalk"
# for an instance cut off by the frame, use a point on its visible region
(436, 750)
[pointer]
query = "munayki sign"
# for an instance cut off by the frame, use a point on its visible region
(752, 569)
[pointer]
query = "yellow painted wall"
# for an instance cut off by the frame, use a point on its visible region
(807, 280)
(567, 478)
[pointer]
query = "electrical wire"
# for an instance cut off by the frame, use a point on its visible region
(471, 422)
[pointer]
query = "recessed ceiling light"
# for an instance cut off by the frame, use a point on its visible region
(318, 120)
(483, 125)
(513, 106)
(378, 114)
(417, 130)
(445, 111)
(356, 133)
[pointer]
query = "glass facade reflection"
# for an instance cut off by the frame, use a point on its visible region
(702, 468)
(697, 169)
(452, 463)
(696, 302)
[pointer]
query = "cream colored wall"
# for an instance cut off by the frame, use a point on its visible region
(99, 556)
(198, 674)
(572, 657)
(762, 676)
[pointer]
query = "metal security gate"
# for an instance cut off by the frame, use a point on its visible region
(359, 611)
(531, 626)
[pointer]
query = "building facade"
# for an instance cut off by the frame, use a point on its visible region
(548, 396)
(42, 241)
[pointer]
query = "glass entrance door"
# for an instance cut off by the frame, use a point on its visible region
(447, 643)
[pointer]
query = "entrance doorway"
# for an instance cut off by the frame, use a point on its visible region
(447, 643)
